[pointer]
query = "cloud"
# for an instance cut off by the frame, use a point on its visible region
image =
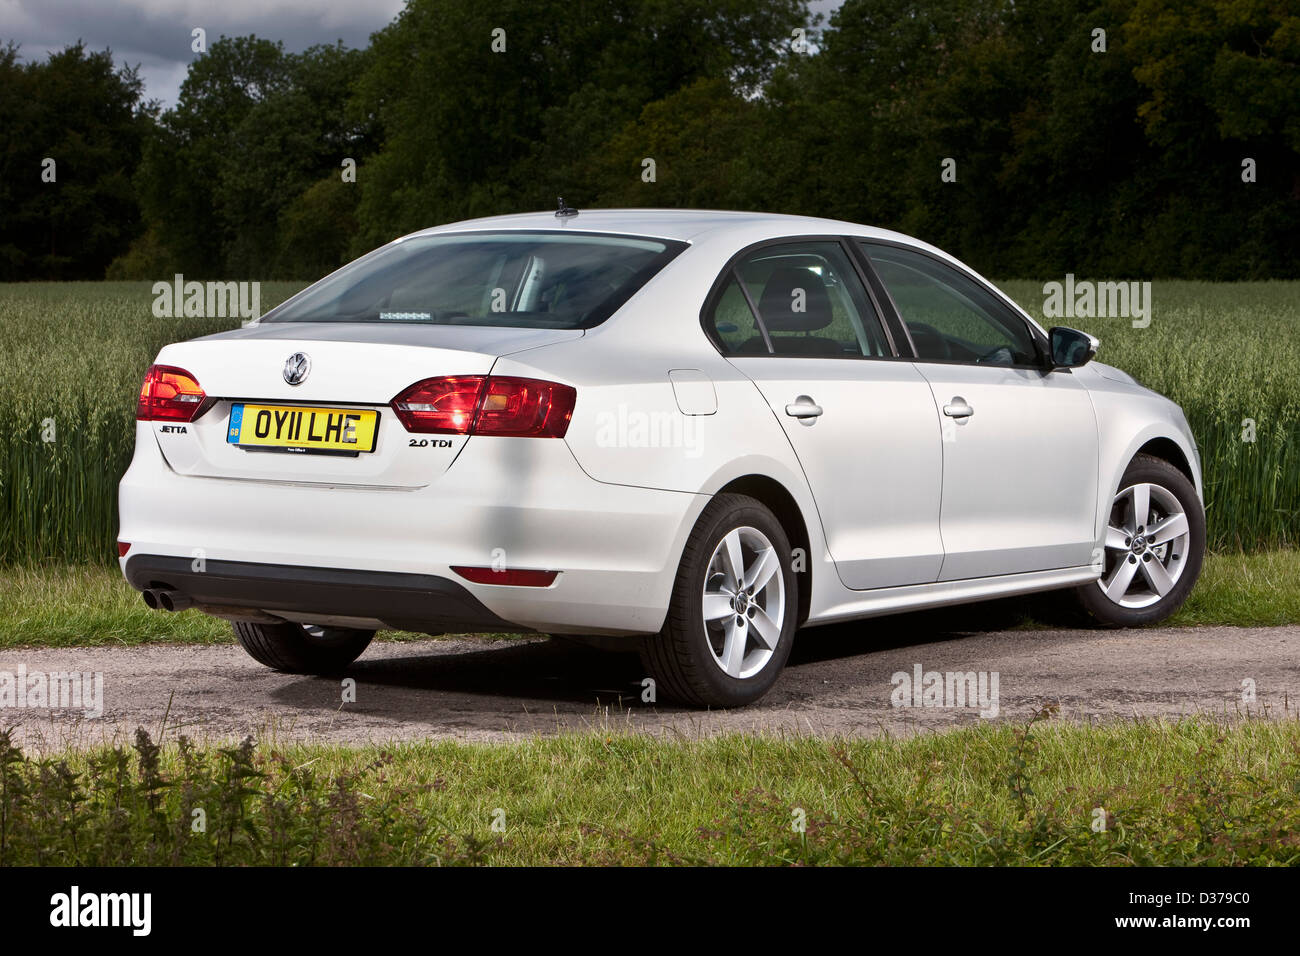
(155, 34)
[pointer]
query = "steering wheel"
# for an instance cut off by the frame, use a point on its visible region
(1002, 355)
(929, 341)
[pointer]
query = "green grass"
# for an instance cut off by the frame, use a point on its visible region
(1193, 792)
(1248, 590)
(75, 353)
(92, 606)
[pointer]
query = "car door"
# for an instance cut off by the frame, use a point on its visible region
(795, 317)
(1019, 445)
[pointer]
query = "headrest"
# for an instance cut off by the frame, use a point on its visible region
(778, 302)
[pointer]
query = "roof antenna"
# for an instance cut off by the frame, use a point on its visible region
(564, 212)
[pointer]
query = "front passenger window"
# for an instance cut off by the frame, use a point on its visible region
(949, 316)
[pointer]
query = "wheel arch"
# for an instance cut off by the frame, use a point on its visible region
(777, 498)
(1120, 446)
(1168, 450)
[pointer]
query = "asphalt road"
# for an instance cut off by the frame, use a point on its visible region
(840, 681)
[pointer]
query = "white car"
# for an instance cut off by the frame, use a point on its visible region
(694, 431)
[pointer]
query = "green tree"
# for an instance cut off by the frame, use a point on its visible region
(254, 127)
(468, 131)
(87, 116)
(315, 230)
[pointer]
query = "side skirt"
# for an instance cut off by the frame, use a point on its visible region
(914, 597)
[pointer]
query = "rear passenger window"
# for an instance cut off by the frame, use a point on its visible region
(809, 302)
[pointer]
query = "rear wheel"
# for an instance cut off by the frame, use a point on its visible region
(302, 648)
(1155, 542)
(734, 609)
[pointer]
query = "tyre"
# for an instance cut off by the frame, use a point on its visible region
(1155, 543)
(734, 609)
(302, 648)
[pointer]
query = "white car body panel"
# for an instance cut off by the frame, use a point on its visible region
(1019, 475)
(871, 459)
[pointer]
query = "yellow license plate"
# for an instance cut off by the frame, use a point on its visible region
(303, 429)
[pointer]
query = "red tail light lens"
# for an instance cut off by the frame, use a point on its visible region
(440, 406)
(487, 405)
(169, 395)
(525, 408)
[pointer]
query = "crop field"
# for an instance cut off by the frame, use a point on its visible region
(72, 356)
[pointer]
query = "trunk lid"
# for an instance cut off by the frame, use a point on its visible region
(354, 366)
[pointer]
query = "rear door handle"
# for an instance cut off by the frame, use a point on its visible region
(804, 409)
(958, 408)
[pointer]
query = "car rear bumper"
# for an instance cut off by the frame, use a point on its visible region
(504, 502)
(396, 600)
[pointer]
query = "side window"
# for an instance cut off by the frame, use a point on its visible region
(951, 317)
(733, 322)
(809, 302)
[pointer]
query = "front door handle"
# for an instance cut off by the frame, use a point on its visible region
(804, 409)
(958, 408)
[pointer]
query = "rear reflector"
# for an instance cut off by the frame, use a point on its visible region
(487, 405)
(169, 394)
(510, 577)
(122, 548)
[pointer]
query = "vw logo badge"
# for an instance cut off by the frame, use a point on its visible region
(296, 368)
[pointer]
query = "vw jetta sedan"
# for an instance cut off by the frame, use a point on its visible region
(693, 431)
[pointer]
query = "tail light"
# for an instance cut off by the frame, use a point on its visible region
(487, 405)
(169, 395)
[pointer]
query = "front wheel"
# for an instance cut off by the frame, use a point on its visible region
(302, 648)
(734, 609)
(1155, 542)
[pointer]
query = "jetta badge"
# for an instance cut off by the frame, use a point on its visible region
(296, 368)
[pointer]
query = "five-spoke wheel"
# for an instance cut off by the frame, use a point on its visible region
(744, 602)
(1146, 545)
(734, 608)
(1154, 544)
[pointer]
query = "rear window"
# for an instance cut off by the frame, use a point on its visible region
(515, 279)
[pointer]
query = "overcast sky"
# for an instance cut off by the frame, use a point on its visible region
(155, 34)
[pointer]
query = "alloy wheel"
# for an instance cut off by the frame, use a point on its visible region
(744, 602)
(1146, 545)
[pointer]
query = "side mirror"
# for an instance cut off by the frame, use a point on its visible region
(1071, 348)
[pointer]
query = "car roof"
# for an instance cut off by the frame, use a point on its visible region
(704, 226)
(687, 225)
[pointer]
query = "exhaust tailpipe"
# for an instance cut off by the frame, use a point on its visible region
(165, 599)
(173, 601)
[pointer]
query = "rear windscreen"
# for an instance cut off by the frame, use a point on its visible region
(515, 279)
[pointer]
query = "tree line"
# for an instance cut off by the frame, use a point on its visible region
(1154, 138)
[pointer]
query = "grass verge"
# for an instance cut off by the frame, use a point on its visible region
(1192, 792)
(61, 605)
